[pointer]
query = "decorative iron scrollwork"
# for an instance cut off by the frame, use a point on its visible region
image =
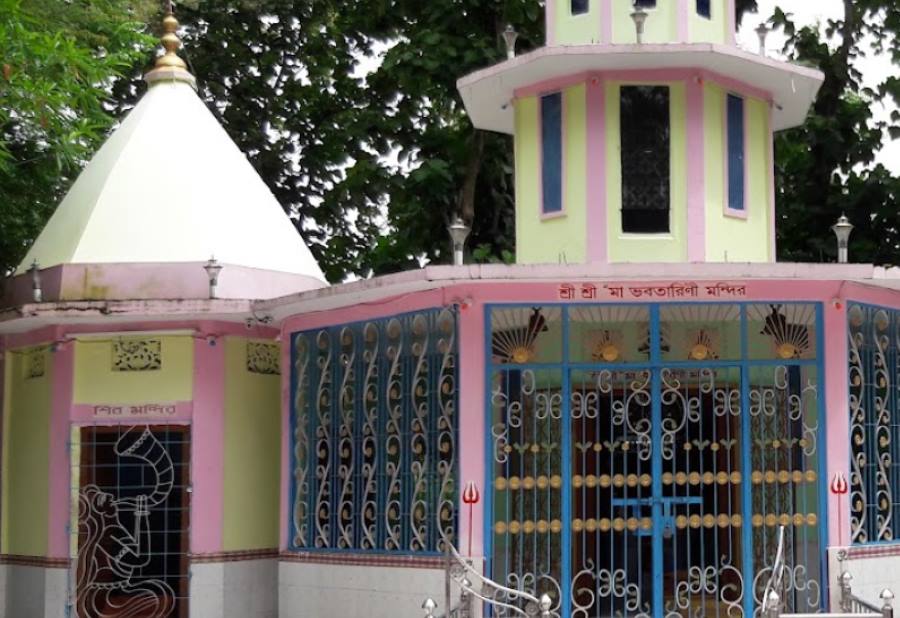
(263, 358)
(35, 363)
(375, 413)
(874, 346)
(137, 354)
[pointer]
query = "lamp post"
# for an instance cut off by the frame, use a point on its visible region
(639, 15)
(213, 268)
(37, 294)
(762, 31)
(459, 231)
(509, 37)
(842, 230)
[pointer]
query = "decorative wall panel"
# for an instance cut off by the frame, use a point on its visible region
(137, 354)
(263, 358)
(374, 435)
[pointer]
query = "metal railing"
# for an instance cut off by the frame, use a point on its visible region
(512, 602)
(475, 587)
(850, 605)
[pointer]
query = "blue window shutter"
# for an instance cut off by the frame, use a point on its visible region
(551, 151)
(579, 7)
(735, 152)
(704, 9)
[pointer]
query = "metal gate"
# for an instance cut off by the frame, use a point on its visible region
(131, 527)
(643, 457)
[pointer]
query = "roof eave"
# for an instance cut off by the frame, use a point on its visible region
(487, 93)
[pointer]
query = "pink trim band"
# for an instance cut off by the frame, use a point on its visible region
(472, 428)
(596, 234)
(649, 75)
(286, 435)
(34, 561)
(837, 420)
(770, 172)
(683, 20)
(208, 448)
(59, 466)
(235, 556)
(730, 21)
(413, 562)
(117, 413)
(550, 22)
(606, 22)
(879, 551)
(696, 172)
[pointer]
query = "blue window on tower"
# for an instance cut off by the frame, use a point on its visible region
(735, 152)
(704, 9)
(551, 152)
(579, 7)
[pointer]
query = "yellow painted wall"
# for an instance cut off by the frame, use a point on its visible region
(560, 237)
(730, 238)
(713, 30)
(581, 29)
(252, 453)
(27, 409)
(96, 382)
(661, 25)
(670, 247)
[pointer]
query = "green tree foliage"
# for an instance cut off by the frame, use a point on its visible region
(827, 167)
(59, 59)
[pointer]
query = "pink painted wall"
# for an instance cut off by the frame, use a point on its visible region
(696, 171)
(153, 281)
(59, 465)
(207, 447)
(597, 233)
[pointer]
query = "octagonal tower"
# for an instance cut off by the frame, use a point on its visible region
(658, 150)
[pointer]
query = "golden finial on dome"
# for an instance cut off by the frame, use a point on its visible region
(170, 42)
(170, 67)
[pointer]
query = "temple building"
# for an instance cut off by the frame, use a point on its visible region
(646, 415)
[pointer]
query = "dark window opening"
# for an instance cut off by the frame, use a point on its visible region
(645, 4)
(579, 7)
(704, 9)
(551, 152)
(645, 143)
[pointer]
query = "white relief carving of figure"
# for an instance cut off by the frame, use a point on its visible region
(110, 556)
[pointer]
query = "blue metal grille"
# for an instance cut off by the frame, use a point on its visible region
(874, 423)
(374, 435)
(644, 456)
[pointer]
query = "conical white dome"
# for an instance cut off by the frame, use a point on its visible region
(169, 185)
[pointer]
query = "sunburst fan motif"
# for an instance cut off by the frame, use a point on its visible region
(517, 344)
(790, 337)
(702, 345)
(605, 346)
